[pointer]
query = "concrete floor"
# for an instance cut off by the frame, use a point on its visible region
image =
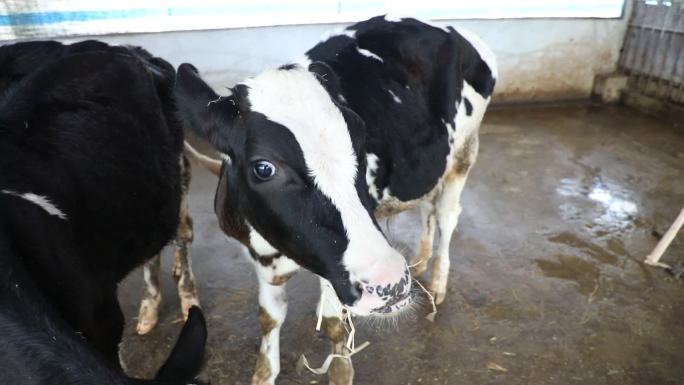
(546, 281)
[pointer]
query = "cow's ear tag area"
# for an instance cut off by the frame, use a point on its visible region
(327, 77)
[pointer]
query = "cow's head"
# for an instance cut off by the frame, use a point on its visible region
(295, 180)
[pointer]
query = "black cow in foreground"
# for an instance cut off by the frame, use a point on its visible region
(91, 185)
(378, 118)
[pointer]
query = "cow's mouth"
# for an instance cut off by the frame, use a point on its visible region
(395, 305)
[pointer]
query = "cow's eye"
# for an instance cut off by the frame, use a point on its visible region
(264, 170)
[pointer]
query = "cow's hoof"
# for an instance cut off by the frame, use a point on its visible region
(263, 375)
(148, 316)
(262, 381)
(341, 372)
(439, 297)
(438, 290)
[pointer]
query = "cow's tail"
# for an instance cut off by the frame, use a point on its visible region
(211, 164)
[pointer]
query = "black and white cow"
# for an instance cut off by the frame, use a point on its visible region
(378, 118)
(92, 175)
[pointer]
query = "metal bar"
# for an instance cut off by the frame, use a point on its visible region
(671, 94)
(630, 40)
(657, 52)
(638, 14)
(665, 83)
(652, 28)
(647, 46)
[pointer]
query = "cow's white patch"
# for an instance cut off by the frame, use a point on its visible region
(482, 48)
(273, 302)
(371, 170)
(394, 97)
(284, 266)
(370, 54)
(259, 244)
(296, 100)
(147, 277)
(386, 193)
(466, 125)
(396, 17)
(39, 200)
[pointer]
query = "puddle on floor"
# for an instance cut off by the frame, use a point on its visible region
(590, 249)
(616, 209)
(584, 273)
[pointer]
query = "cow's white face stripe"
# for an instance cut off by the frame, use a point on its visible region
(295, 99)
(39, 200)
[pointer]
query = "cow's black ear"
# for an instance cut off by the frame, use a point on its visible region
(208, 114)
(187, 356)
(327, 77)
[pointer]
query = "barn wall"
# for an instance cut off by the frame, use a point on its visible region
(539, 59)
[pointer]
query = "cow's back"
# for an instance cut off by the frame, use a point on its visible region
(406, 79)
(95, 133)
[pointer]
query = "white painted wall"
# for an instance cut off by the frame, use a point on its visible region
(539, 59)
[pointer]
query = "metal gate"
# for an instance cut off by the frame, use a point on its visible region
(653, 51)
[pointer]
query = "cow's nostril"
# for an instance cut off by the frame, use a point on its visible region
(358, 290)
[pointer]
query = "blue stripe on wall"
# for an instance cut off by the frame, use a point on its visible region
(42, 18)
(37, 18)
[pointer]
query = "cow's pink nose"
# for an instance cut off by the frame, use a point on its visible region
(386, 295)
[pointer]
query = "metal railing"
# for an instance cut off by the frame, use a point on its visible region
(653, 51)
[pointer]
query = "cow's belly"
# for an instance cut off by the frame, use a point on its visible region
(391, 206)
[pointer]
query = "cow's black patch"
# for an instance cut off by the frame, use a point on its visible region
(468, 107)
(422, 65)
(287, 67)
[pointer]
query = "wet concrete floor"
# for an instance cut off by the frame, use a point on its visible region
(547, 283)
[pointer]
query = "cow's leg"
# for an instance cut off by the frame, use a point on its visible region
(272, 310)
(448, 208)
(187, 287)
(427, 237)
(107, 326)
(182, 256)
(341, 371)
(148, 315)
